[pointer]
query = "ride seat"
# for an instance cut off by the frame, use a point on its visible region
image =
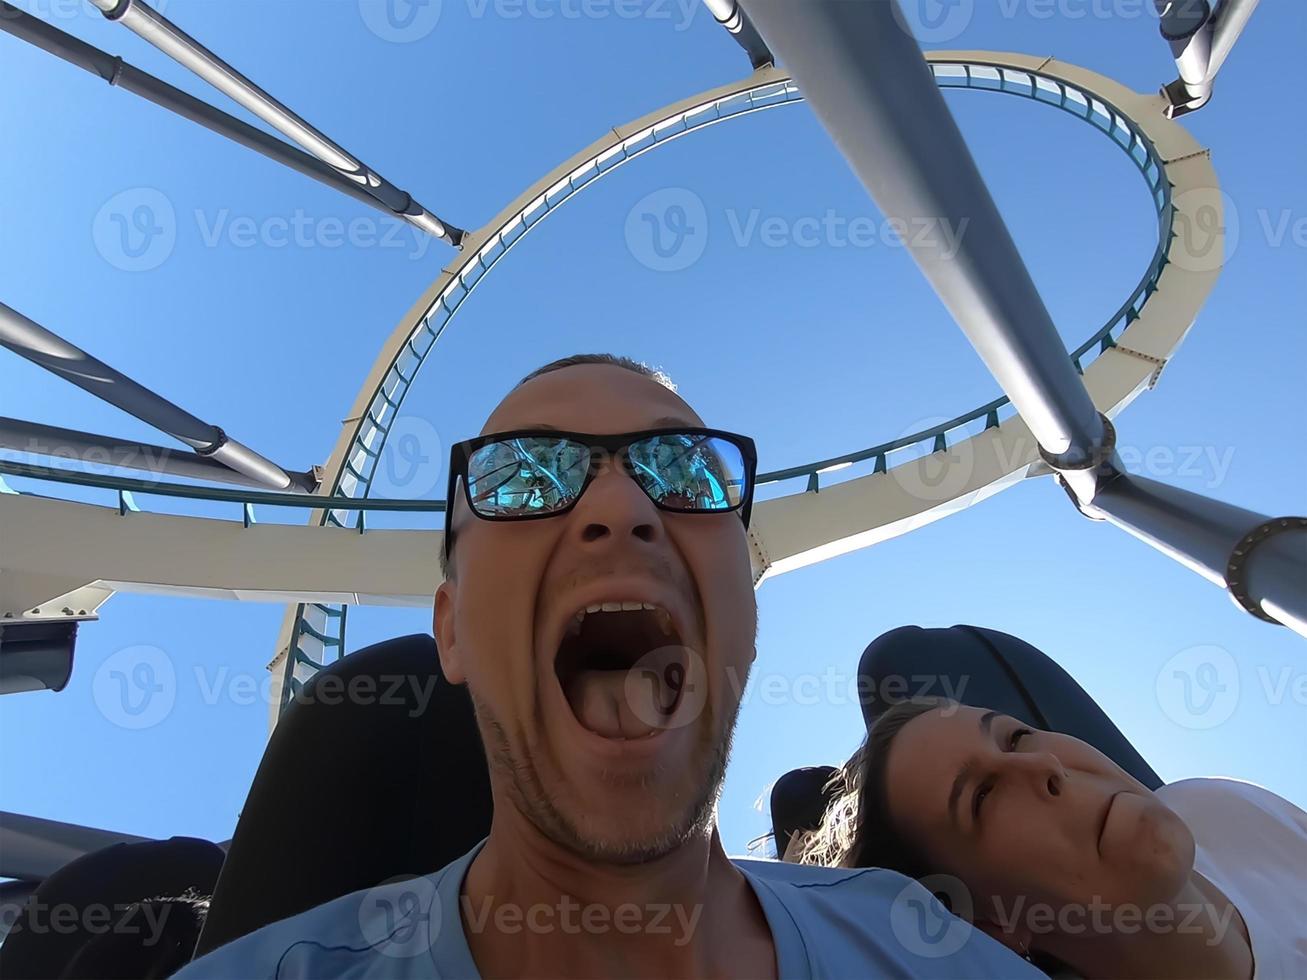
(86, 919)
(355, 789)
(980, 667)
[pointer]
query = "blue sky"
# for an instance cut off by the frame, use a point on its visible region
(816, 349)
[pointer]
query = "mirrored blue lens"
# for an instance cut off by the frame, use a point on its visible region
(688, 471)
(527, 476)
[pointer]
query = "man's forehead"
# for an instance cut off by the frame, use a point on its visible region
(591, 398)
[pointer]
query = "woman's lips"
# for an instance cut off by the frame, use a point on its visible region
(1102, 821)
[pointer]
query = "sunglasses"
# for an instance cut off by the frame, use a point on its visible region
(535, 473)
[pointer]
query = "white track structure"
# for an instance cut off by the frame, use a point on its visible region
(328, 565)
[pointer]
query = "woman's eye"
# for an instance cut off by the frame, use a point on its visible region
(1016, 737)
(979, 800)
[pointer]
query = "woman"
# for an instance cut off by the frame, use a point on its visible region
(1065, 857)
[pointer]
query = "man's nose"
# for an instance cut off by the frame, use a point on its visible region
(614, 509)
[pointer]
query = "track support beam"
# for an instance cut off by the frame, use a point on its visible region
(731, 16)
(866, 79)
(30, 340)
(152, 26)
(51, 441)
(122, 75)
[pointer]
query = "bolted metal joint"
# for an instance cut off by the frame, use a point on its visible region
(1236, 571)
(1083, 474)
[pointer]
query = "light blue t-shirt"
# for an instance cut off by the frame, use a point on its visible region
(825, 922)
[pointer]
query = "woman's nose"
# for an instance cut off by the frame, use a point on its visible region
(1043, 770)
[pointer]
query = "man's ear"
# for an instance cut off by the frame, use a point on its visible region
(446, 635)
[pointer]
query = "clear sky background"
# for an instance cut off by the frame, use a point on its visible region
(815, 348)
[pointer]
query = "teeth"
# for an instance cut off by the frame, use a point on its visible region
(664, 618)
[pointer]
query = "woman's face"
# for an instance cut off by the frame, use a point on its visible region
(1023, 815)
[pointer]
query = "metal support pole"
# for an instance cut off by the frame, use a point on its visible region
(1231, 19)
(1187, 26)
(865, 77)
(47, 440)
(149, 24)
(731, 16)
(120, 74)
(30, 340)
(1262, 562)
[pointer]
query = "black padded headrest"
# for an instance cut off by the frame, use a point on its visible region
(355, 789)
(105, 887)
(798, 801)
(988, 669)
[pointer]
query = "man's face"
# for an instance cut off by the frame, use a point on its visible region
(609, 732)
(1021, 814)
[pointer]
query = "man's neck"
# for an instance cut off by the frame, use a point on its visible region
(531, 907)
(1199, 934)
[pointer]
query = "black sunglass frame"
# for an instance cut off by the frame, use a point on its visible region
(615, 445)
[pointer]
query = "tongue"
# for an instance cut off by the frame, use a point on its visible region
(620, 703)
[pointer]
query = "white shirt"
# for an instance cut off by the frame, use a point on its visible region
(1253, 846)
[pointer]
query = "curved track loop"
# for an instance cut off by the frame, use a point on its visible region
(947, 467)
(904, 483)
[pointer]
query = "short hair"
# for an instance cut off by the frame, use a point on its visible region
(614, 360)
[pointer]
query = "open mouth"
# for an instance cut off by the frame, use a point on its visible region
(622, 668)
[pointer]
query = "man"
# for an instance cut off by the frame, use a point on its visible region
(599, 605)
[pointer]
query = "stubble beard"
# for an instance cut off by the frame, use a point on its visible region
(528, 793)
